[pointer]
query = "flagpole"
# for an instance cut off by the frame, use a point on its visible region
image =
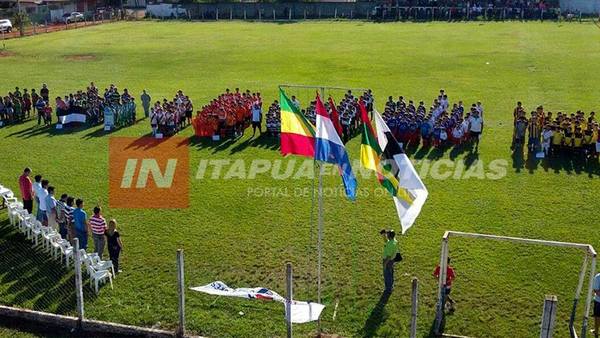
(320, 237)
(320, 232)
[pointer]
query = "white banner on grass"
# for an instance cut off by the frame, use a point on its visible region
(302, 312)
(81, 118)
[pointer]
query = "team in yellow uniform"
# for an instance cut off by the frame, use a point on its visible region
(568, 134)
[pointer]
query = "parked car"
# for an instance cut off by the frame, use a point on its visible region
(5, 26)
(73, 17)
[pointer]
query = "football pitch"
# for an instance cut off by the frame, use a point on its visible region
(244, 238)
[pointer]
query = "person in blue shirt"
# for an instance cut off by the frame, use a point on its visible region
(437, 131)
(403, 131)
(597, 305)
(39, 106)
(426, 130)
(80, 220)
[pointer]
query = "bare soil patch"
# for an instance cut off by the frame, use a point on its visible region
(81, 57)
(6, 53)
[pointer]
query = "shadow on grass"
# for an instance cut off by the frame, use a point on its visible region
(97, 130)
(202, 143)
(376, 317)
(263, 141)
(31, 279)
(50, 130)
(148, 141)
(432, 332)
(576, 164)
(235, 145)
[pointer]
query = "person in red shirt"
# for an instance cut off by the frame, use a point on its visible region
(450, 276)
(26, 190)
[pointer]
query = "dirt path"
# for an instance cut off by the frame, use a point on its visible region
(41, 29)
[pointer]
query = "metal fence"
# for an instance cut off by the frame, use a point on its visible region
(44, 274)
(39, 25)
(463, 14)
(356, 10)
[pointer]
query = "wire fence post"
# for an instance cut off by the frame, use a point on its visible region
(78, 284)
(181, 293)
(288, 298)
(414, 307)
(548, 316)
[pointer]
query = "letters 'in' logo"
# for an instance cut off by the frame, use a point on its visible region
(149, 166)
(149, 173)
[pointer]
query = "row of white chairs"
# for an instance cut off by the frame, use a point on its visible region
(50, 240)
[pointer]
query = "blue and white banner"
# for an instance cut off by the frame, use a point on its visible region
(302, 312)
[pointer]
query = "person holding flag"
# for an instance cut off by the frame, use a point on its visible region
(330, 148)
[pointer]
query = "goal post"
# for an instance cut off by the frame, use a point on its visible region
(589, 256)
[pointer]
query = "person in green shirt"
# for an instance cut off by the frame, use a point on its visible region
(389, 253)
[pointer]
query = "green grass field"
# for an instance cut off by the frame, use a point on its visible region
(246, 240)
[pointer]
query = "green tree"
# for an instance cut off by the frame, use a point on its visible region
(20, 20)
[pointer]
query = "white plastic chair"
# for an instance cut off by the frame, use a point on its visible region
(56, 243)
(47, 234)
(13, 212)
(103, 265)
(50, 236)
(24, 218)
(36, 232)
(7, 197)
(85, 259)
(97, 276)
(94, 260)
(28, 225)
(66, 250)
(6, 194)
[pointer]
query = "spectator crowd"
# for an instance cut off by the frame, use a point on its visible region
(67, 215)
(468, 10)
